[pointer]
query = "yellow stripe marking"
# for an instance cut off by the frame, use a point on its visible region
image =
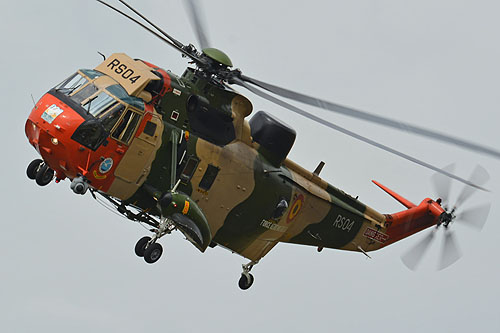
(185, 210)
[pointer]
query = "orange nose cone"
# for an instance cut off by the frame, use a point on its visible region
(49, 128)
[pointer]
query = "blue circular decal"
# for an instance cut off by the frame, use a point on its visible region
(106, 165)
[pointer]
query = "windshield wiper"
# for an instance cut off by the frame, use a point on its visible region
(69, 90)
(89, 102)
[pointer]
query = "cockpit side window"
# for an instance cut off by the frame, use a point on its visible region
(110, 118)
(126, 126)
(71, 84)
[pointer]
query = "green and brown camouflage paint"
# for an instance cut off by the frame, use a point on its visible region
(239, 205)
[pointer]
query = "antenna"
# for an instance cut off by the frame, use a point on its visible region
(34, 104)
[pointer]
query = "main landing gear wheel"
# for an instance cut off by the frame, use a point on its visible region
(33, 168)
(148, 247)
(140, 246)
(153, 253)
(44, 175)
(246, 281)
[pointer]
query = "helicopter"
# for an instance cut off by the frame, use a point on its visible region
(177, 153)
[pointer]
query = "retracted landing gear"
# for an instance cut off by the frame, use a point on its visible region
(246, 279)
(40, 172)
(148, 248)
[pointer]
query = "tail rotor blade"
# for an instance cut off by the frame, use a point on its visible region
(412, 258)
(442, 183)
(450, 252)
(475, 217)
(479, 177)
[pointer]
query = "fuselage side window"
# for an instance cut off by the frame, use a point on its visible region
(209, 177)
(189, 169)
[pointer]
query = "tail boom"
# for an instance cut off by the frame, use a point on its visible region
(412, 220)
(408, 222)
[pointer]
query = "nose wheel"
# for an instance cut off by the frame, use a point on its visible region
(40, 172)
(33, 168)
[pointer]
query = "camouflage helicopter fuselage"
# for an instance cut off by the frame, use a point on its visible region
(238, 186)
(235, 186)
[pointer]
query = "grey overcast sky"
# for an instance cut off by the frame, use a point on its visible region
(68, 264)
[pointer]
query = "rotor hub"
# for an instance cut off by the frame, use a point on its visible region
(218, 56)
(446, 218)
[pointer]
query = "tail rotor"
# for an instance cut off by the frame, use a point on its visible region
(473, 217)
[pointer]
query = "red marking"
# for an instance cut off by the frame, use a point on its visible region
(376, 235)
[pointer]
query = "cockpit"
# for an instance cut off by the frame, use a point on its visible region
(97, 120)
(106, 107)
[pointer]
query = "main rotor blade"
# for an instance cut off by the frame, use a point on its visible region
(193, 7)
(351, 134)
(475, 217)
(175, 41)
(442, 184)
(450, 251)
(479, 176)
(178, 46)
(322, 104)
(412, 258)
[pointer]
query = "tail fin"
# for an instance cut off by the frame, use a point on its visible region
(405, 202)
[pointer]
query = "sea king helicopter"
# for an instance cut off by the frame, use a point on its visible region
(177, 153)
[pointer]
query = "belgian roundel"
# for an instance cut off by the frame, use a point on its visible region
(295, 209)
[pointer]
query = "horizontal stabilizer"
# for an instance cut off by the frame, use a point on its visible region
(405, 202)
